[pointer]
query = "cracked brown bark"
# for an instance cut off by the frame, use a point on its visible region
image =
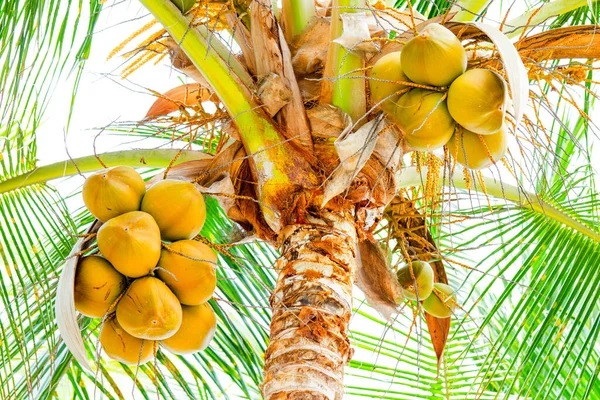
(312, 305)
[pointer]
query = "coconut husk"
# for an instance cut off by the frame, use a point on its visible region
(310, 49)
(376, 280)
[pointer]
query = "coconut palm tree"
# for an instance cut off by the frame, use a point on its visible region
(310, 188)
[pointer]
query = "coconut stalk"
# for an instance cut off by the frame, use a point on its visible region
(295, 17)
(152, 158)
(343, 79)
(312, 306)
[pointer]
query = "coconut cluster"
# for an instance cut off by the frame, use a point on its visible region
(150, 281)
(427, 91)
(417, 283)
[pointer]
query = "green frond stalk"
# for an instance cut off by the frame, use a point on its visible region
(345, 68)
(295, 16)
(501, 190)
(133, 158)
(538, 15)
(468, 10)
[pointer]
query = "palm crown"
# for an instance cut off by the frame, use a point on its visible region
(303, 166)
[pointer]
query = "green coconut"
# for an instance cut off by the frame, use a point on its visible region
(198, 327)
(97, 286)
(478, 151)
(421, 286)
(382, 76)
(477, 101)
(423, 117)
(434, 57)
(442, 302)
(121, 346)
(149, 310)
(188, 269)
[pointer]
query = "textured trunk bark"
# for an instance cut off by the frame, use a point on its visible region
(312, 305)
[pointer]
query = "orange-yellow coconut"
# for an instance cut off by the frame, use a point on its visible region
(131, 242)
(198, 327)
(113, 191)
(97, 286)
(149, 310)
(478, 151)
(188, 269)
(177, 207)
(121, 346)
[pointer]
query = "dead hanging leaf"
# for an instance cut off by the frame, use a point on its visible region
(180, 96)
(224, 191)
(355, 34)
(66, 315)
(376, 280)
(354, 150)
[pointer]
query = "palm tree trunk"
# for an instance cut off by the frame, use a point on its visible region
(312, 305)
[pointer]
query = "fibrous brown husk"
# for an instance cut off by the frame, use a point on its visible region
(309, 52)
(376, 280)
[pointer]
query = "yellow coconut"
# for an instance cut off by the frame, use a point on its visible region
(477, 101)
(423, 117)
(97, 286)
(177, 207)
(121, 346)
(149, 310)
(478, 151)
(382, 76)
(131, 242)
(434, 57)
(198, 327)
(442, 302)
(188, 268)
(112, 192)
(421, 286)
